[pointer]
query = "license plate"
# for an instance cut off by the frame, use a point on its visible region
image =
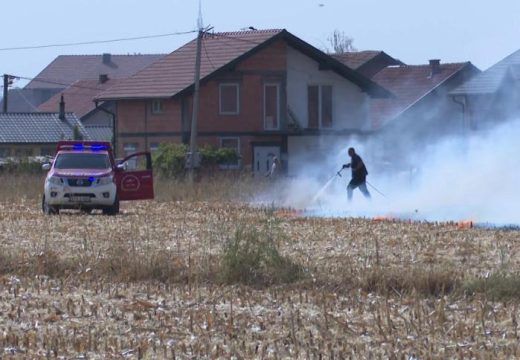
(82, 199)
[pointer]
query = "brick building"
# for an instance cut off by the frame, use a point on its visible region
(263, 93)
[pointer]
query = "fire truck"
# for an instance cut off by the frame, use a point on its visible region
(84, 175)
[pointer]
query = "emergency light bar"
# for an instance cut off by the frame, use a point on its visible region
(83, 145)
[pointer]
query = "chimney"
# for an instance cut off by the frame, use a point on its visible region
(107, 58)
(62, 109)
(103, 78)
(435, 67)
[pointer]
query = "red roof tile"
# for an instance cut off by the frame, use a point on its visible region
(409, 83)
(66, 69)
(79, 97)
(356, 59)
(175, 72)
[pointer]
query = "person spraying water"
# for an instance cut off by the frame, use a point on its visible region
(359, 174)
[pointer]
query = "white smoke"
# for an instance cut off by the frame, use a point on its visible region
(472, 177)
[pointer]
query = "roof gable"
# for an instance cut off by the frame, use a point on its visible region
(355, 59)
(174, 73)
(409, 84)
(27, 100)
(79, 97)
(38, 127)
(66, 69)
(488, 81)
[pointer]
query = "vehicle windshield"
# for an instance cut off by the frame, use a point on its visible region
(82, 161)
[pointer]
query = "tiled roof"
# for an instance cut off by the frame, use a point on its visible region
(79, 97)
(38, 127)
(357, 58)
(27, 100)
(66, 69)
(175, 72)
(99, 133)
(409, 84)
(488, 81)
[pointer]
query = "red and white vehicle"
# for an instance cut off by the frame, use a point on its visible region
(84, 175)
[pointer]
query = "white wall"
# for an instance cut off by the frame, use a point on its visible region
(349, 103)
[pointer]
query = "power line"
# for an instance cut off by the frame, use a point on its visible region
(207, 55)
(57, 83)
(222, 35)
(27, 100)
(97, 41)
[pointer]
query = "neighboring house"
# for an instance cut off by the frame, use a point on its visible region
(421, 110)
(263, 93)
(492, 97)
(67, 69)
(79, 99)
(368, 62)
(36, 134)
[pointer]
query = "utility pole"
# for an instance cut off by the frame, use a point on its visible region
(6, 86)
(193, 156)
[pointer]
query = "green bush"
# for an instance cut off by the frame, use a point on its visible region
(169, 159)
(251, 257)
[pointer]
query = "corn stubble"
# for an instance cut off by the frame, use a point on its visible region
(159, 281)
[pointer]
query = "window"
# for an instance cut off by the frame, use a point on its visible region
(154, 147)
(4, 152)
(320, 106)
(271, 106)
(82, 161)
(157, 106)
(22, 152)
(45, 151)
(231, 143)
(228, 99)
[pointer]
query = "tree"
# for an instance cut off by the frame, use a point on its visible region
(76, 133)
(340, 43)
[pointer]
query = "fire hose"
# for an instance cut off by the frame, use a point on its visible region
(372, 186)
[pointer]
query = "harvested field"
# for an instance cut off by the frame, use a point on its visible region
(159, 281)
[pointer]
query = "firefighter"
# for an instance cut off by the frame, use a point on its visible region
(359, 174)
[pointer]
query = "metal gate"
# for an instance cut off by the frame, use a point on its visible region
(263, 159)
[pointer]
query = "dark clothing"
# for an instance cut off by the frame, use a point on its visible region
(359, 171)
(359, 176)
(362, 185)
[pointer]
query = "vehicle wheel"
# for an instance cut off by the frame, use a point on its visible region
(112, 210)
(48, 209)
(86, 210)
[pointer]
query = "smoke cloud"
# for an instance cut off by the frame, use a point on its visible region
(475, 177)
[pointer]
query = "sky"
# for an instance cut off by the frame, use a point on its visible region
(413, 31)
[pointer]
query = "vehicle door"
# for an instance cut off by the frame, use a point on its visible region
(134, 177)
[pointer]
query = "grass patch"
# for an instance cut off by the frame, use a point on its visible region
(497, 286)
(428, 282)
(251, 257)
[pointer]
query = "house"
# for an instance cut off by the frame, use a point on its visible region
(63, 71)
(421, 111)
(492, 97)
(262, 92)
(36, 134)
(98, 119)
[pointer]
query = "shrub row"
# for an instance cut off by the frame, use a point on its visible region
(169, 160)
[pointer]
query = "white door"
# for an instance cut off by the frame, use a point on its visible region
(264, 159)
